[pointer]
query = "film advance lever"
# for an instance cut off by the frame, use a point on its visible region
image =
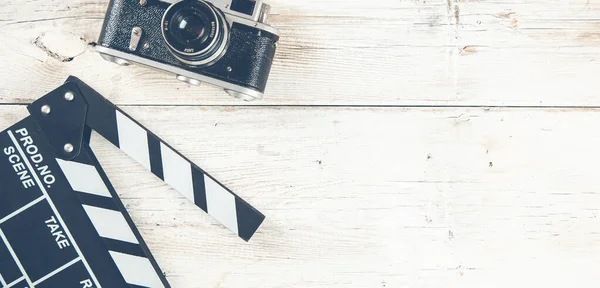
(61, 222)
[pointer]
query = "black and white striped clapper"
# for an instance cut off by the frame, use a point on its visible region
(166, 163)
(61, 222)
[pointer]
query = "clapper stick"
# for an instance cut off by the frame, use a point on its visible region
(143, 146)
(62, 223)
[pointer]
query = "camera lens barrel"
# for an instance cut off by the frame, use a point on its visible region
(196, 32)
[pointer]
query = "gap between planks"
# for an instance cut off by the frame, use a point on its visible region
(556, 107)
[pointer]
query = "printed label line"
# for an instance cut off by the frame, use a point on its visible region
(41, 186)
(2, 281)
(56, 271)
(22, 209)
(12, 253)
(15, 282)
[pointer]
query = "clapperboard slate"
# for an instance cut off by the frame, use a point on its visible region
(62, 224)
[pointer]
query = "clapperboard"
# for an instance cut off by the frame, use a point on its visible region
(62, 224)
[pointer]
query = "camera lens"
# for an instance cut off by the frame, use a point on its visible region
(189, 27)
(195, 32)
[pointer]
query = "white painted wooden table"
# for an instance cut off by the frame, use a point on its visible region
(400, 143)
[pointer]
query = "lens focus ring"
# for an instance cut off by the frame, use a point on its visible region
(196, 32)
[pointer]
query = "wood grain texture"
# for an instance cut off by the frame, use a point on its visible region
(440, 198)
(443, 193)
(339, 52)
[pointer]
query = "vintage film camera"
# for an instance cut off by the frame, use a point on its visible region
(225, 43)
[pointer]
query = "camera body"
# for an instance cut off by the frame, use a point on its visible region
(225, 43)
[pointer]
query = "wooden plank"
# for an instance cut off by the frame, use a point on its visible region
(339, 52)
(384, 197)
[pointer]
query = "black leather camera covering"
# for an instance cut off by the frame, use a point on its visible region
(250, 52)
